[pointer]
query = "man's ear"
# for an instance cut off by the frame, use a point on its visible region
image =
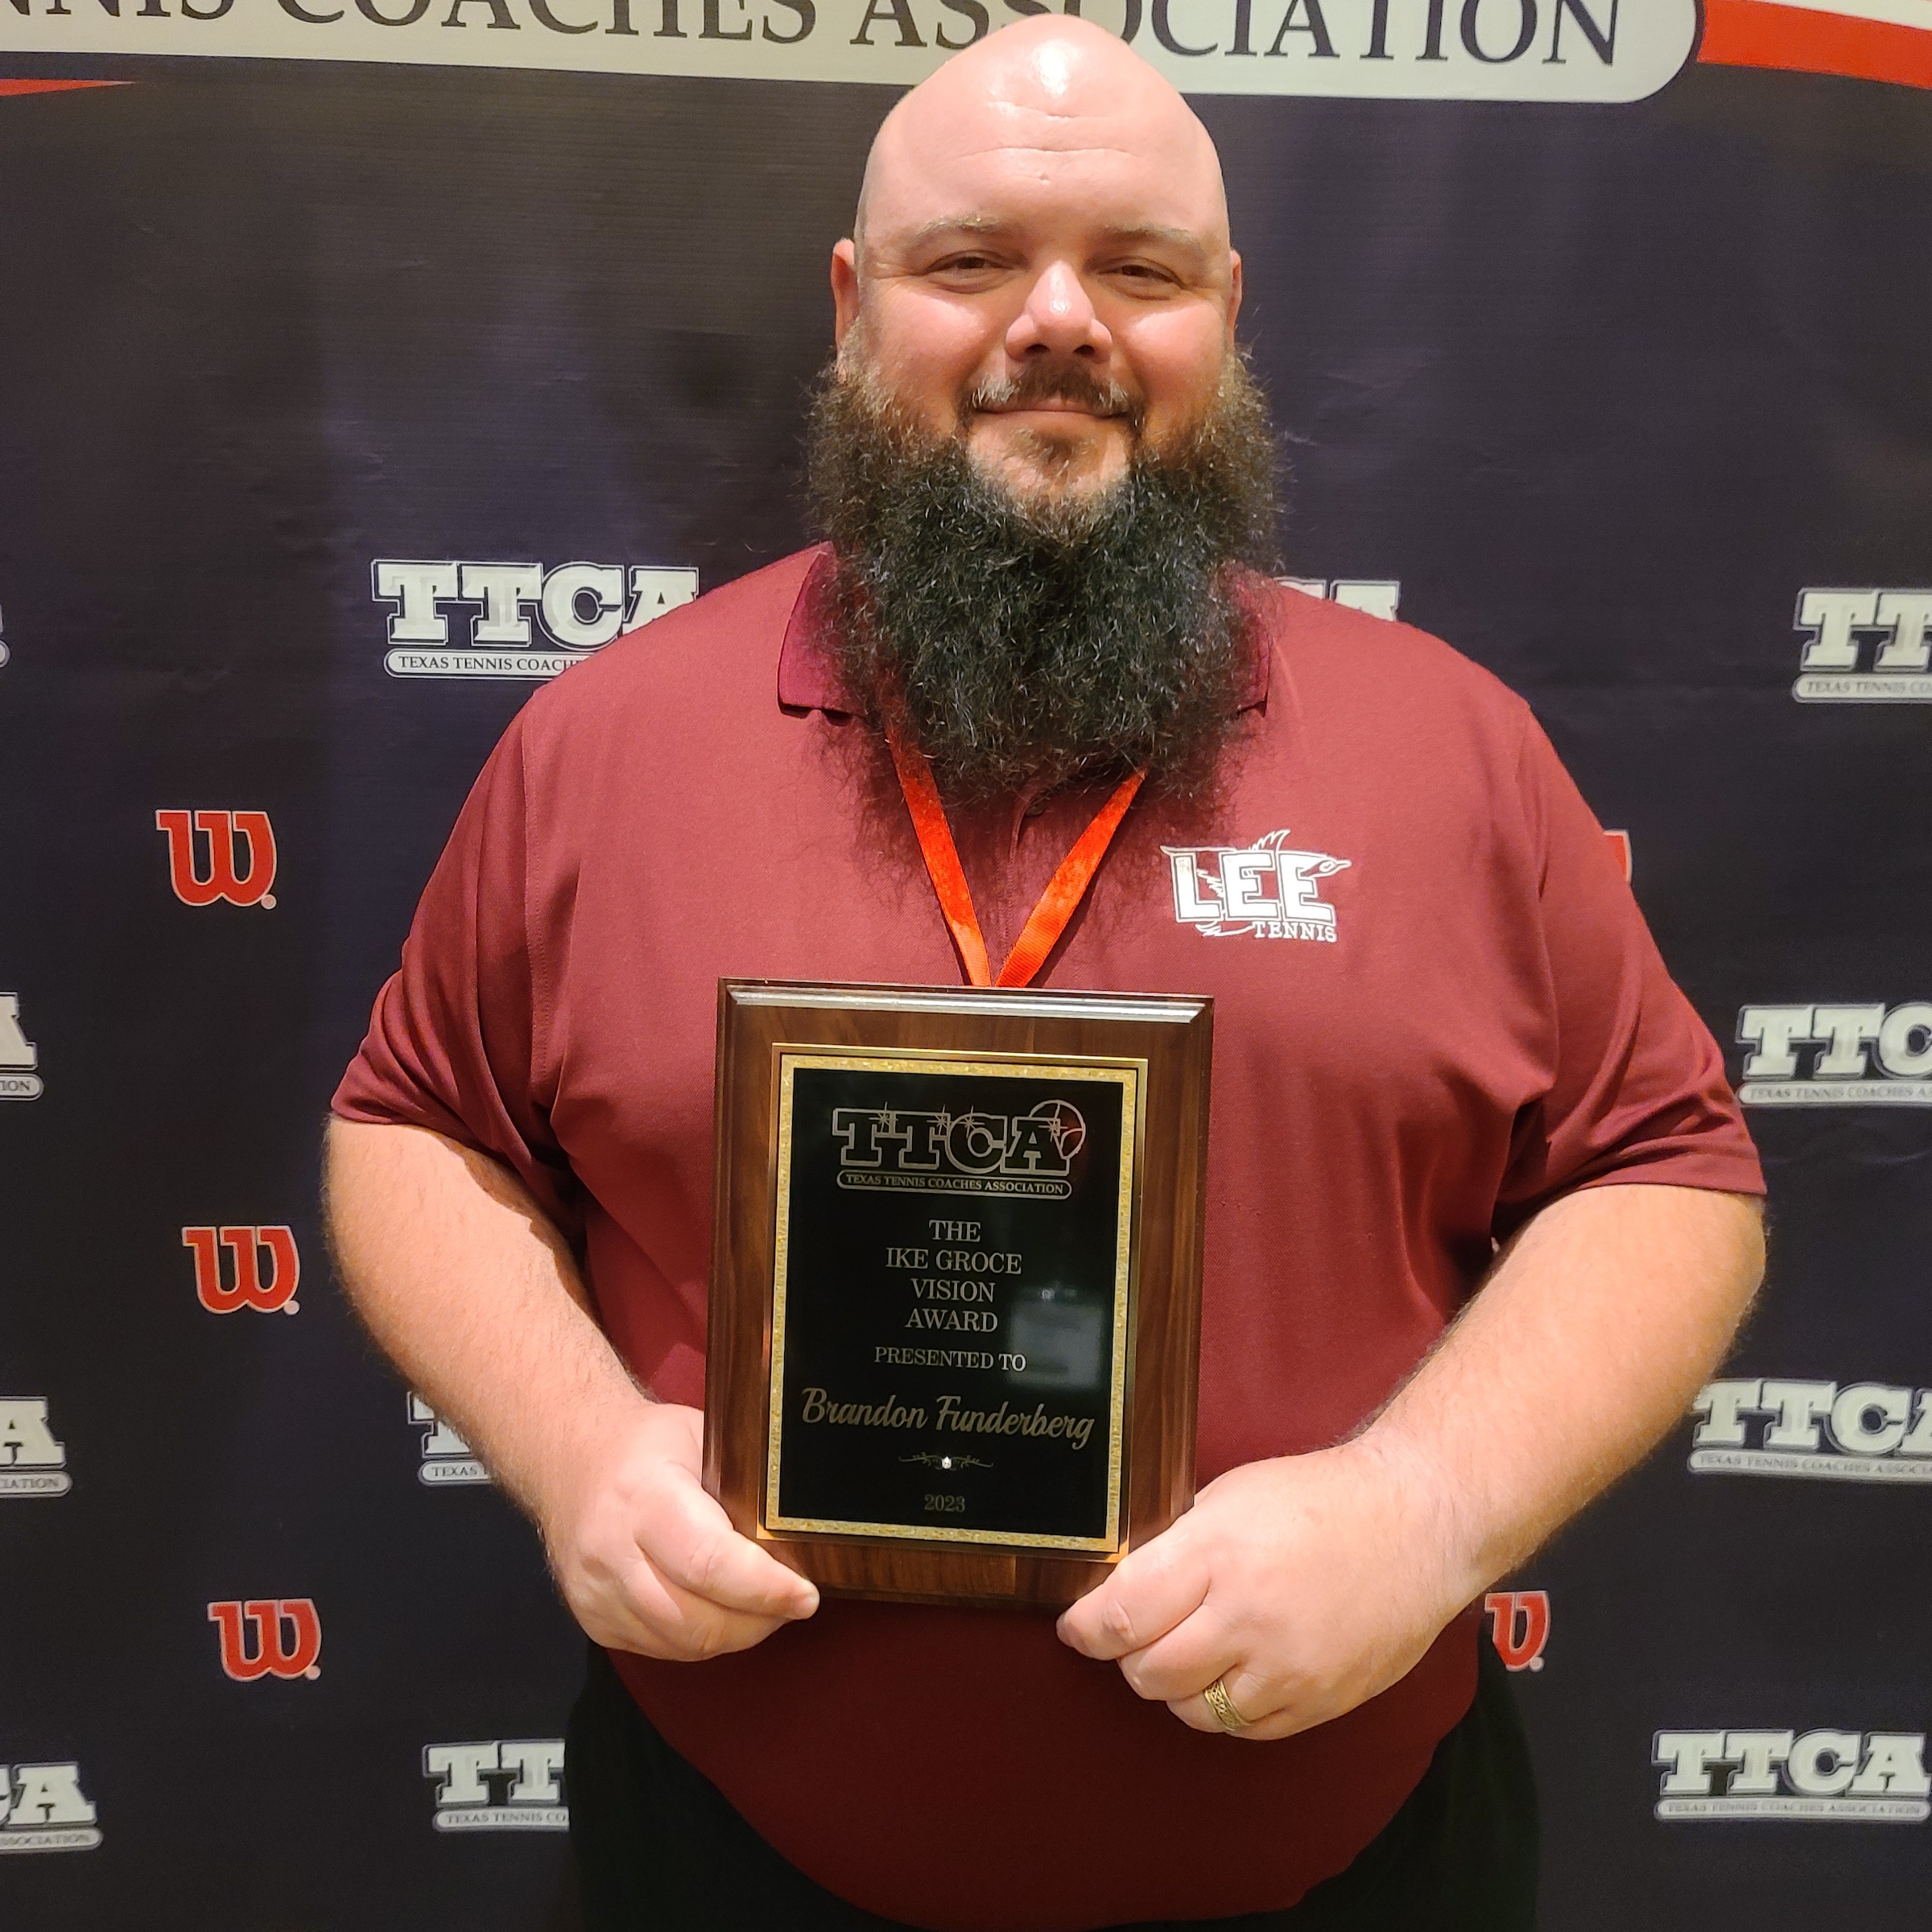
(844, 289)
(1234, 292)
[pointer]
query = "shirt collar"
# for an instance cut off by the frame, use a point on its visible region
(811, 677)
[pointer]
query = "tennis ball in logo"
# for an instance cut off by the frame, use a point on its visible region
(1069, 1131)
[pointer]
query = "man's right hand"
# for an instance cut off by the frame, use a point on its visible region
(649, 1563)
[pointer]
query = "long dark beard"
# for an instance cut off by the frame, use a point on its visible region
(1031, 644)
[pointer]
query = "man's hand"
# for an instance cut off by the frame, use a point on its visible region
(648, 1562)
(1308, 1583)
(1314, 1582)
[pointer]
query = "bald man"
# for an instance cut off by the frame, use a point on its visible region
(1481, 1212)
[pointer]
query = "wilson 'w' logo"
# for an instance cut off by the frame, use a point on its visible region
(273, 1618)
(245, 1286)
(227, 836)
(1519, 1622)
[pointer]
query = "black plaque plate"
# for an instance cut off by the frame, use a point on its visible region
(952, 1298)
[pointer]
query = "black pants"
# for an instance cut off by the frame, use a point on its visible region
(659, 1850)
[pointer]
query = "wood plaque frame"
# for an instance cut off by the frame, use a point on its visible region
(1157, 1050)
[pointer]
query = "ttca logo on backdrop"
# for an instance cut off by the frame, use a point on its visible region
(245, 1282)
(1878, 1776)
(1857, 1054)
(239, 849)
(43, 1808)
(19, 1055)
(1378, 596)
(1869, 646)
(269, 1637)
(578, 607)
(1856, 1432)
(32, 1462)
(447, 1458)
(507, 1784)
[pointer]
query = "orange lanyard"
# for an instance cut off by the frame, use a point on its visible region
(1058, 903)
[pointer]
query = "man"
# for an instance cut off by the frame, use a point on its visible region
(1440, 1025)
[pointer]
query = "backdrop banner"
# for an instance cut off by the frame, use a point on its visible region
(371, 361)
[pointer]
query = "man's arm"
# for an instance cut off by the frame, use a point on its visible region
(473, 1293)
(1314, 1582)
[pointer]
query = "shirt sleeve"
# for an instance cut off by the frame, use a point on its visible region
(453, 1043)
(1639, 1092)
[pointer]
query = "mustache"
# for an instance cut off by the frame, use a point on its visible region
(1064, 383)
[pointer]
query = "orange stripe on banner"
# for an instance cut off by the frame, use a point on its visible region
(1759, 33)
(54, 87)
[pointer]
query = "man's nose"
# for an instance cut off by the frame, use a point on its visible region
(1058, 319)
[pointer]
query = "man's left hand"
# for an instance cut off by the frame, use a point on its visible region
(1305, 1584)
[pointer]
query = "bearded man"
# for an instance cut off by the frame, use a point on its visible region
(1479, 1209)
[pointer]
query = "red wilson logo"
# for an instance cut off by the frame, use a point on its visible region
(1519, 1621)
(230, 835)
(273, 1619)
(245, 1287)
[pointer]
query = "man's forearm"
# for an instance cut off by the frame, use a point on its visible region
(471, 1292)
(473, 1295)
(1597, 1326)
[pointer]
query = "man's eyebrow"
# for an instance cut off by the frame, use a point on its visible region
(992, 224)
(955, 225)
(1152, 231)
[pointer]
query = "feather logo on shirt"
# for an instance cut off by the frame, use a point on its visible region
(1267, 890)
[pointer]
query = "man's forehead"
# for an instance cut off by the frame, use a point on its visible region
(1112, 190)
(1068, 116)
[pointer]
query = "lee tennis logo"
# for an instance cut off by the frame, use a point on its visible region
(1267, 890)
(1877, 1776)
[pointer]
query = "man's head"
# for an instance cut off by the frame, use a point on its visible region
(1039, 448)
(1040, 261)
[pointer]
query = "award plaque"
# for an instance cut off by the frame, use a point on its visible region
(955, 1282)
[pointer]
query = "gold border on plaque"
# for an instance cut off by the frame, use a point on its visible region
(1130, 1076)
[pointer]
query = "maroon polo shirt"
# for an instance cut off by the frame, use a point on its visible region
(1437, 1008)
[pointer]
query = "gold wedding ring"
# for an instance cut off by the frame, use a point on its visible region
(1222, 1705)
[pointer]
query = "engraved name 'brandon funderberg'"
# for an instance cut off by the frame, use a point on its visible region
(1075, 1431)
